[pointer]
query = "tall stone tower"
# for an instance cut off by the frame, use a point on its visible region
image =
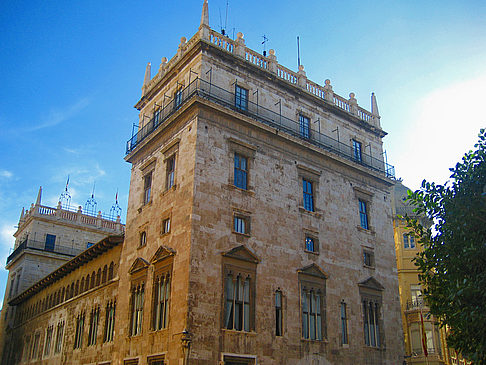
(260, 203)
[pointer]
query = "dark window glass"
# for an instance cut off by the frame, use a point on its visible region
(50, 242)
(170, 172)
(344, 324)
(363, 214)
(278, 313)
(304, 127)
(147, 188)
(241, 98)
(357, 151)
(367, 258)
(308, 195)
(178, 99)
(237, 303)
(309, 244)
(241, 171)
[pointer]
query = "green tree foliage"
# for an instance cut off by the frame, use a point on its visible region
(453, 260)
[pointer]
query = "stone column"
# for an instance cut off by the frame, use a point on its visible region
(240, 48)
(353, 104)
(301, 77)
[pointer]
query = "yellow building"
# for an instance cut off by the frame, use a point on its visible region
(412, 304)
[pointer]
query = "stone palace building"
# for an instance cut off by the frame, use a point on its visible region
(259, 229)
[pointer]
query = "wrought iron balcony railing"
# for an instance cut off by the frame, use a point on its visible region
(262, 114)
(417, 303)
(42, 246)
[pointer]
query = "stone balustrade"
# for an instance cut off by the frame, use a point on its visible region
(99, 221)
(269, 63)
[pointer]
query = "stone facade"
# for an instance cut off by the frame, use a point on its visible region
(253, 236)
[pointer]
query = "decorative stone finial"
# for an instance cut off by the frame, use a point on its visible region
(164, 60)
(39, 196)
(183, 40)
(22, 215)
(239, 35)
(374, 105)
(163, 64)
(271, 52)
(328, 82)
(205, 14)
(148, 74)
(301, 67)
(352, 96)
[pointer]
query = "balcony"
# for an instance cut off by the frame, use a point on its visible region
(272, 118)
(42, 246)
(417, 303)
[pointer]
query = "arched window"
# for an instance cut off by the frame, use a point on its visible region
(76, 288)
(143, 239)
(110, 271)
(98, 277)
(93, 278)
(62, 295)
(82, 288)
(87, 283)
(105, 273)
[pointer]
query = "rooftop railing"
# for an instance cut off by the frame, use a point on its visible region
(77, 216)
(272, 118)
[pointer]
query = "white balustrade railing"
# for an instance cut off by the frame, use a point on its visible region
(286, 74)
(221, 41)
(315, 89)
(255, 58)
(364, 115)
(341, 103)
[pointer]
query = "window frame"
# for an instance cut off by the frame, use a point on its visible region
(239, 262)
(344, 323)
(247, 151)
(240, 174)
(241, 220)
(364, 220)
(241, 100)
(142, 239)
(137, 302)
(79, 332)
(166, 225)
(370, 253)
(110, 315)
(279, 331)
(308, 196)
(357, 147)
(304, 126)
(93, 326)
(170, 170)
(147, 188)
(313, 313)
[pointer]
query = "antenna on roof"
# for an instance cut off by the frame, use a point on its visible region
(265, 39)
(226, 17)
(298, 51)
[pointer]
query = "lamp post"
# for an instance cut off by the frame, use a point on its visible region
(186, 345)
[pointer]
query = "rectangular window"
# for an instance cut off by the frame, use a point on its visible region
(93, 326)
(371, 322)
(78, 337)
(137, 310)
(310, 244)
(368, 259)
(170, 172)
(178, 98)
(241, 98)
(50, 242)
(357, 151)
(304, 126)
(237, 304)
(241, 224)
(344, 324)
(35, 346)
(109, 321)
(416, 295)
(406, 244)
(166, 226)
(363, 214)
(241, 171)
(59, 336)
(147, 188)
(47, 346)
(311, 315)
(308, 195)
(161, 302)
(278, 313)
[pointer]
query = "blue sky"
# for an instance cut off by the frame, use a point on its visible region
(70, 73)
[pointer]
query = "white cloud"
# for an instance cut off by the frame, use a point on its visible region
(6, 240)
(57, 116)
(6, 174)
(446, 126)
